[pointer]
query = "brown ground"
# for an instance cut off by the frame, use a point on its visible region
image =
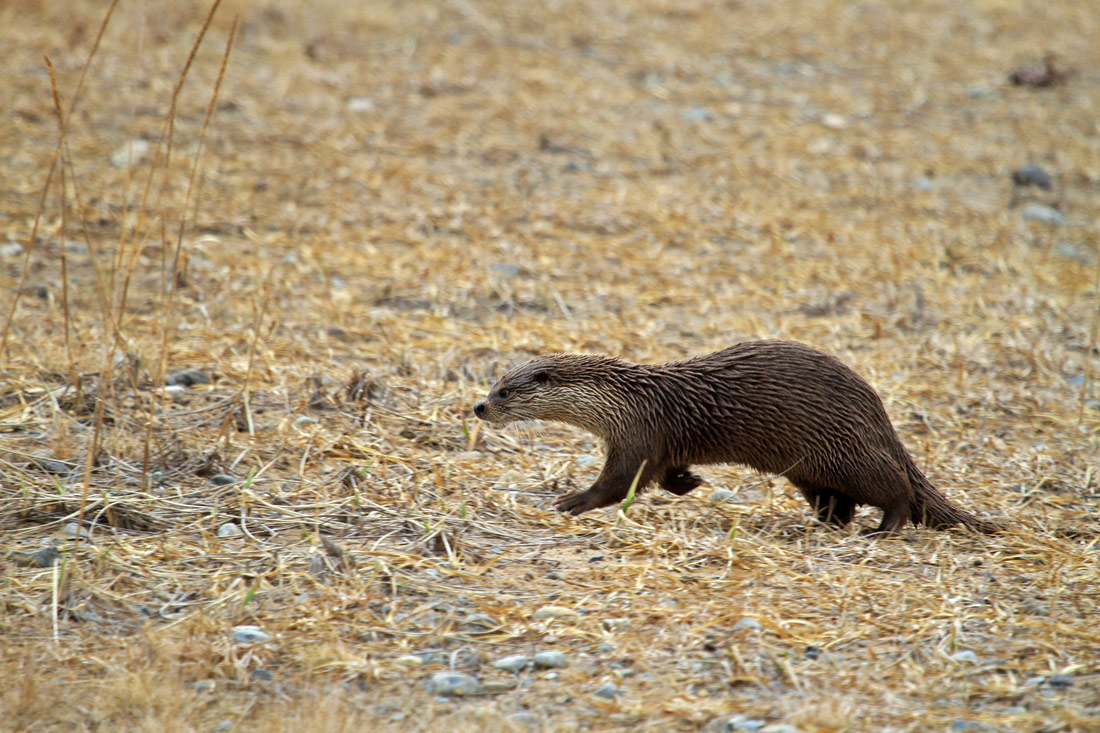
(394, 202)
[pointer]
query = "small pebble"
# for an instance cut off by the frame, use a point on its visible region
(1060, 681)
(38, 291)
(156, 478)
(698, 114)
(966, 725)
(71, 529)
(1032, 175)
(608, 692)
(187, 378)
(479, 623)
(779, 728)
(964, 656)
(204, 685)
(616, 624)
(747, 623)
(507, 269)
(223, 479)
(495, 687)
(250, 635)
(59, 467)
(720, 495)
(229, 530)
(260, 675)
(131, 153)
(176, 392)
(360, 104)
(1035, 681)
(813, 652)
(552, 612)
(1043, 214)
(524, 718)
(43, 558)
(11, 249)
(834, 121)
(923, 184)
(512, 663)
(222, 726)
(550, 660)
(586, 460)
(304, 421)
(408, 661)
(453, 683)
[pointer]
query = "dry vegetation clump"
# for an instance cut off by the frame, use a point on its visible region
(352, 218)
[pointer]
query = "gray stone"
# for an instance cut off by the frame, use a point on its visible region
(524, 718)
(43, 558)
(187, 378)
(608, 692)
(250, 635)
(495, 687)
(586, 460)
(720, 495)
(131, 153)
(698, 114)
(1044, 214)
(967, 725)
(1032, 175)
(72, 529)
(223, 479)
(11, 249)
(229, 529)
(507, 269)
(747, 623)
(550, 660)
(1060, 681)
(512, 663)
(260, 675)
(361, 104)
(616, 624)
(479, 623)
(176, 392)
(553, 612)
(453, 683)
(61, 468)
(303, 421)
(923, 184)
(964, 656)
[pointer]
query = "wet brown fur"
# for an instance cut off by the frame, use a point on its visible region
(777, 406)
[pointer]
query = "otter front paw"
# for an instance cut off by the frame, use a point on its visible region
(578, 503)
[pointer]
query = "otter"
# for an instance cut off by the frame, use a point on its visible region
(777, 406)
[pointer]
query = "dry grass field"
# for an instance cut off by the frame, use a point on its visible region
(350, 218)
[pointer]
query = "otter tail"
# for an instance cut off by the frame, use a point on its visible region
(932, 509)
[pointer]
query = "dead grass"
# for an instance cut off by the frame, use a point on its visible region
(392, 204)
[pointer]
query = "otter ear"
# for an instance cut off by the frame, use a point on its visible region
(544, 376)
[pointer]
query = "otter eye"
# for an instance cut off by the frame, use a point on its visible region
(504, 393)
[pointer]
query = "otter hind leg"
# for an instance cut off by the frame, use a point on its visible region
(830, 505)
(679, 480)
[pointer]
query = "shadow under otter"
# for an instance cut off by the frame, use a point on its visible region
(777, 406)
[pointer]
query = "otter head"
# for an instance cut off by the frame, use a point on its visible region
(523, 393)
(567, 388)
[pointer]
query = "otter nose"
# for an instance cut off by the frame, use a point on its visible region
(479, 409)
